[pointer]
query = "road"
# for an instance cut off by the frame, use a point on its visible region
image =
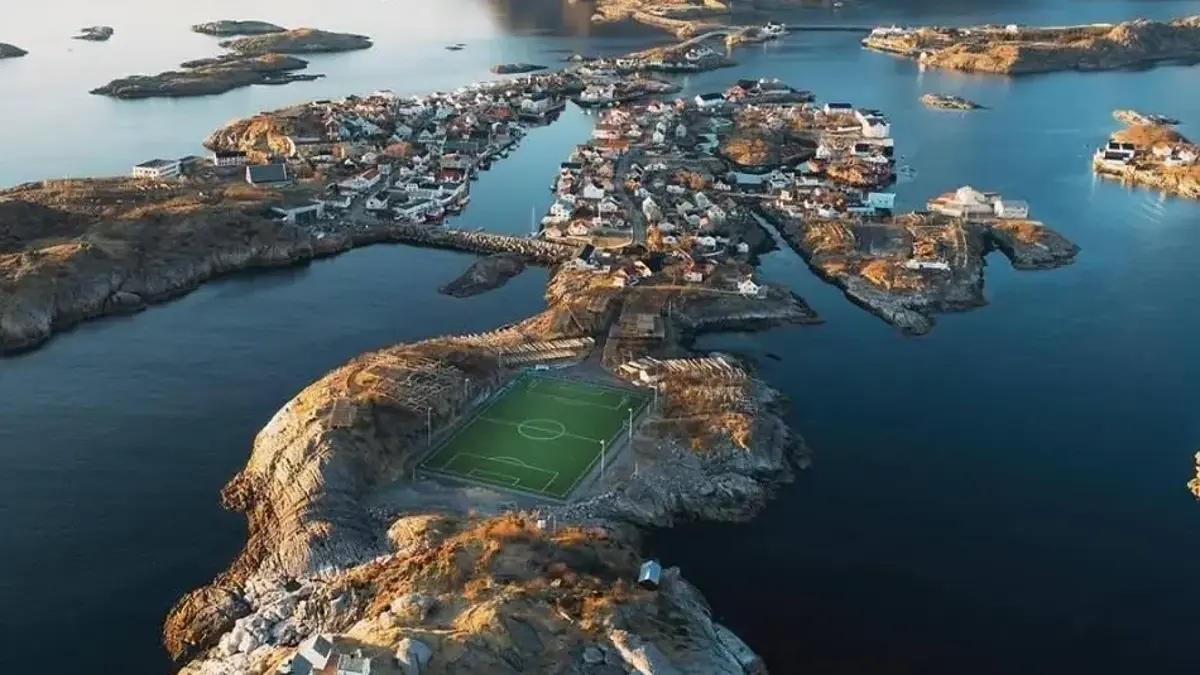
(636, 220)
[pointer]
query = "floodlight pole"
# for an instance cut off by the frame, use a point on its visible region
(429, 426)
(630, 425)
(601, 460)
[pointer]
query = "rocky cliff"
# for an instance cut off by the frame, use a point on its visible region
(995, 49)
(341, 539)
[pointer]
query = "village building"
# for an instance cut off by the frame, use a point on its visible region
(157, 168)
(267, 174)
(301, 211)
(1011, 208)
(229, 158)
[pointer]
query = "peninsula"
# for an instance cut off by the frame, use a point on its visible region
(8, 51)
(1016, 50)
(260, 59)
(228, 28)
(95, 33)
(1149, 153)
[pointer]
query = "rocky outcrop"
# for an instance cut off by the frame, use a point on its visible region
(996, 49)
(95, 33)
(8, 51)
(205, 77)
(516, 68)
(949, 102)
(228, 28)
(485, 274)
(1031, 246)
(77, 249)
(298, 41)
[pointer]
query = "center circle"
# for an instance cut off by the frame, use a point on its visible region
(542, 429)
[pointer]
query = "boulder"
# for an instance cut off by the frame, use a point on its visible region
(412, 655)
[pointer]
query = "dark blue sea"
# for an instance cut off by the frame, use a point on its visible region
(1004, 495)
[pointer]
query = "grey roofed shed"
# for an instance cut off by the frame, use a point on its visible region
(650, 575)
(266, 173)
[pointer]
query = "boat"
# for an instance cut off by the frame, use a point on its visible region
(435, 215)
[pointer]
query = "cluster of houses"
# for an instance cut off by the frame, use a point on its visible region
(404, 158)
(849, 140)
(1118, 156)
(968, 203)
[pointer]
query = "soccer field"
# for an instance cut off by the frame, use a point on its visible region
(538, 435)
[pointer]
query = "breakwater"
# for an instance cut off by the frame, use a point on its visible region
(534, 250)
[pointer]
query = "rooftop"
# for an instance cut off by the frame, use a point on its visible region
(156, 164)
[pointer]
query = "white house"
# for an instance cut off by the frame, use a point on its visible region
(716, 214)
(1011, 208)
(608, 206)
(414, 209)
(592, 191)
(312, 655)
(229, 158)
(693, 277)
(709, 101)
(537, 103)
(606, 133)
(363, 181)
(651, 210)
(402, 132)
(778, 180)
(561, 210)
(838, 108)
(881, 200)
(941, 265)
(157, 168)
(824, 152)
(658, 138)
(702, 200)
(873, 126)
(748, 287)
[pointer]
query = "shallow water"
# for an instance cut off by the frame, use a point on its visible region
(1003, 495)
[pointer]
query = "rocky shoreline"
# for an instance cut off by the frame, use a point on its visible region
(1016, 50)
(517, 68)
(1150, 153)
(298, 41)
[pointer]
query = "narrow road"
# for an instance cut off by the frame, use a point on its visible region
(636, 220)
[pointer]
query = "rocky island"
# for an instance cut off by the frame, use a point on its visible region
(1016, 50)
(228, 28)
(1150, 153)
(949, 102)
(263, 58)
(95, 33)
(485, 274)
(298, 41)
(516, 68)
(8, 51)
(204, 77)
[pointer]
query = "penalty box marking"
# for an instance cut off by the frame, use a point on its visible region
(511, 461)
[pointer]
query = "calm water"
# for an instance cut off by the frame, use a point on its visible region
(1004, 495)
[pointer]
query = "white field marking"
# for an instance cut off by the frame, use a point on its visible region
(518, 424)
(553, 429)
(511, 461)
(480, 473)
(576, 402)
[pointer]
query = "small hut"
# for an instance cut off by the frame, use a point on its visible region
(650, 576)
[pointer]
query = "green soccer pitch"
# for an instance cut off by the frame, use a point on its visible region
(538, 435)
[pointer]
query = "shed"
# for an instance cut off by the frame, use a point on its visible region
(267, 174)
(650, 575)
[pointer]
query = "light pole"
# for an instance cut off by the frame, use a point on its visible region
(602, 460)
(630, 425)
(429, 426)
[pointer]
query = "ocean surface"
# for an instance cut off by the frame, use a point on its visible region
(1004, 495)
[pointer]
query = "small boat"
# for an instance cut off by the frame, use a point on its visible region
(455, 48)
